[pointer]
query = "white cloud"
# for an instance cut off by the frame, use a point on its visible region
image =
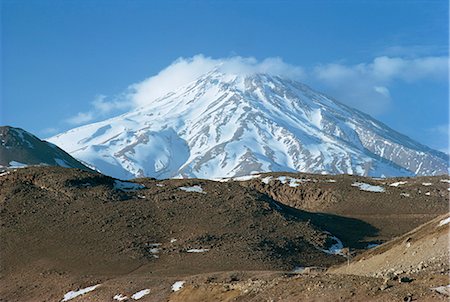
(365, 86)
(80, 118)
(186, 70)
(386, 68)
(439, 137)
(382, 90)
(101, 107)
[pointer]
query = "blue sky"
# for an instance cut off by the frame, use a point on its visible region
(63, 60)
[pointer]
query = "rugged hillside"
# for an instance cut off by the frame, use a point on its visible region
(424, 249)
(393, 206)
(67, 232)
(225, 125)
(20, 148)
(65, 226)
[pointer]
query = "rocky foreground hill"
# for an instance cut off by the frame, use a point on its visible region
(69, 234)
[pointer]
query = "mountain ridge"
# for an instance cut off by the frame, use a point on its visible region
(225, 125)
(19, 148)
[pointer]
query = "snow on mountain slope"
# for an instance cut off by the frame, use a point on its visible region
(225, 125)
(19, 148)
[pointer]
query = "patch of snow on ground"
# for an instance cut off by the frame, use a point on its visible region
(120, 297)
(293, 182)
(427, 184)
(371, 245)
(172, 240)
(444, 221)
(404, 194)
(75, 293)
(247, 177)
(127, 186)
(197, 189)
(154, 249)
(197, 250)
(443, 290)
(16, 164)
(336, 248)
(160, 185)
(266, 180)
(178, 285)
(221, 179)
(140, 294)
(398, 183)
(367, 187)
(4, 173)
(330, 180)
(428, 193)
(282, 179)
(298, 270)
(445, 180)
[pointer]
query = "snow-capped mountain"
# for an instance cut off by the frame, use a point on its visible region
(19, 148)
(225, 125)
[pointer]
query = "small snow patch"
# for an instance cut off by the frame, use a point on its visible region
(298, 270)
(427, 184)
(4, 173)
(120, 297)
(197, 250)
(178, 285)
(443, 290)
(371, 245)
(444, 221)
(197, 189)
(445, 180)
(404, 194)
(75, 293)
(330, 180)
(293, 182)
(266, 180)
(247, 177)
(335, 248)
(160, 185)
(173, 240)
(369, 188)
(428, 193)
(140, 294)
(16, 164)
(221, 179)
(399, 183)
(127, 186)
(154, 249)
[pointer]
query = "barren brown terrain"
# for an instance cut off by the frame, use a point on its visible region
(258, 239)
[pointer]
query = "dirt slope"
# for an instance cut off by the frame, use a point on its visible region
(68, 224)
(404, 204)
(67, 229)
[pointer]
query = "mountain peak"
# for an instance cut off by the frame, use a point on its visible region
(228, 124)
(19, 148)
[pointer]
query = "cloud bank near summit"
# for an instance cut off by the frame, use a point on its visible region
(365, 86)
(186, 70)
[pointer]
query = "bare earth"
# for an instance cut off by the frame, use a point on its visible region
(67, 229)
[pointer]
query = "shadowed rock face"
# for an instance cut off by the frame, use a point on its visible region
(20, 148)
(225, 125)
